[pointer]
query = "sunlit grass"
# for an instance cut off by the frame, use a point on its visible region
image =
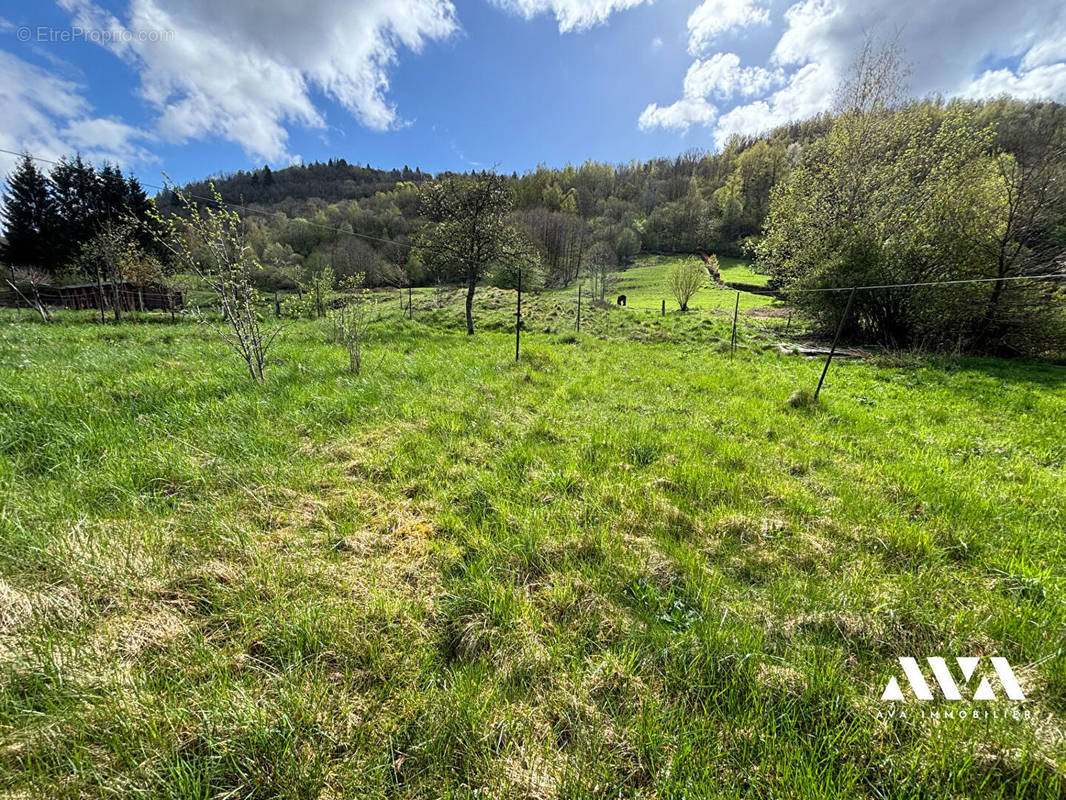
(620, 567)
(645, 288)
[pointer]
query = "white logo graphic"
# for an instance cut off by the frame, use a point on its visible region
(947, 683)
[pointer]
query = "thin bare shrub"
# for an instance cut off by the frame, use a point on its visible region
(210, 243)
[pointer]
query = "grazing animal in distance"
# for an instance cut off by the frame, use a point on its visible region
(621, 299)
(712, 265)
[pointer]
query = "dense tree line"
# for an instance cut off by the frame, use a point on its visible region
(878, 192)
(911, 194)
(303, 216)
(331, 181)
(48, 219)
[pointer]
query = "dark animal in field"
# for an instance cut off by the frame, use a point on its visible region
(621, 299)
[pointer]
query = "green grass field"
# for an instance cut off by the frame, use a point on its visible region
(622, 567)
(644, 286)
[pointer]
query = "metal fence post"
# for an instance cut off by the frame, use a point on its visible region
(518, 317)
(836, 338)
(733, 339)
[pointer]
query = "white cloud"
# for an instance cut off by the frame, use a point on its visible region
(715, 17)
(572, 15)
(1034, 84)
(680, 115)
(809, 90)
(48, 117)
(243, 70)
(720, 76)
(951, 45)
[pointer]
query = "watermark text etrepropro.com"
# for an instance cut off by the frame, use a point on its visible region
(43, 33)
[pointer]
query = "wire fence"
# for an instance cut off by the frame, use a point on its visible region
(594, 318)
(139, 298)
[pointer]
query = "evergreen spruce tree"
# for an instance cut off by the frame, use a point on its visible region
(28, 219)
(76, 190)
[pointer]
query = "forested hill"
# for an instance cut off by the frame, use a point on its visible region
(331, 181)
(359, 220)
(713, 201)
(694, 201)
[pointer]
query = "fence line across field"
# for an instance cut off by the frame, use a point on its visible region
(733, 338)
(1050, 275)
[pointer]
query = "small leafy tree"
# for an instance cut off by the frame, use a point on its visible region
(684, 279)
(470, 231)
(319, 286)
(108, 257)
(211, 244)
(349, 323)
(316, 292)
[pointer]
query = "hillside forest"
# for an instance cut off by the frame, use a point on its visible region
(921, 191)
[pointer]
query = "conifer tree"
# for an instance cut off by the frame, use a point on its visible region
(28, 219)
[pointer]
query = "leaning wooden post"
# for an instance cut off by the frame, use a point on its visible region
(789, 323)
(277, 304)
(836, 338)
(733, 338)
(518, 317)
(664, 308)
(579, 307)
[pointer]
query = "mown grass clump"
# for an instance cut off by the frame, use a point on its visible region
(620, 567)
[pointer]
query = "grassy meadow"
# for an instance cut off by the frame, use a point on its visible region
(624, 566)
(644, 286)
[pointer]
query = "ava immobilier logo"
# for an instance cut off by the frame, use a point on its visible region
(946, 681)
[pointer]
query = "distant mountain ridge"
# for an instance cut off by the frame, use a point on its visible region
(331, 181)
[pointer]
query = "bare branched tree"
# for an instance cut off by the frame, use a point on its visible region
(104, 257)
(600, 264)
(27, 283)
(211, 244)
(877, 80)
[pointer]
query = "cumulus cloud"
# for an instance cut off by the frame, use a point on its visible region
(715, 17)
(720, 77)
(48, 116)
(964, 48)
(572, 15)
(243, 70)
(1033, 84)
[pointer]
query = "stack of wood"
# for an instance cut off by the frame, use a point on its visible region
(712, 266)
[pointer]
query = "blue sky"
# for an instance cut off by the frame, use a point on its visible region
(510, 83)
